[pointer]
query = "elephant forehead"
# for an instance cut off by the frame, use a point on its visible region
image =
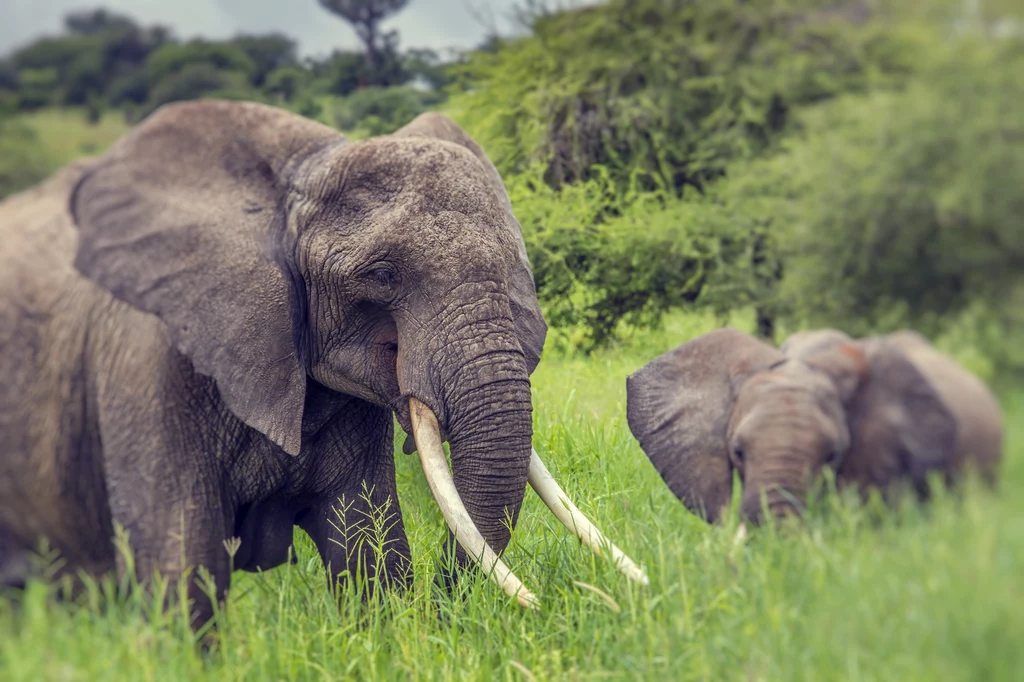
(440, 240)
(789, 383)
(427, 175)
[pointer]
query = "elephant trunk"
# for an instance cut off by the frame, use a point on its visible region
(490, 432)
(781, 478)
(481, 387)
(469, 368)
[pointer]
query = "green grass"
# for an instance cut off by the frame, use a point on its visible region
(32, 146)
(65, 135)
(925, 593)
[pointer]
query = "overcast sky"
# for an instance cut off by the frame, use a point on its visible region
(423, 23)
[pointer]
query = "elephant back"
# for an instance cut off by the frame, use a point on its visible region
(977, 412)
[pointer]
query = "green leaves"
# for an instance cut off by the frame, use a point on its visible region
(613, 127)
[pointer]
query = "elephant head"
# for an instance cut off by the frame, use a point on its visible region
(280, 255)
(727, 402)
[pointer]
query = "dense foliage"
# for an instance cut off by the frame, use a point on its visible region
(628, 107)
(663, 93)
(105, 59)
(22, 162)
(904, 208)
(821, 161)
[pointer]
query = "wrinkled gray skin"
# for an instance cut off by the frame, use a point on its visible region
(882, 412)
(205, 333)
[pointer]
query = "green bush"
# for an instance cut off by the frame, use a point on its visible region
(38, 88)
(905, 208)
(267, 53)
(616, 124)
(597, 271)
(129, 88)
(23, 162)
(285, 83)
(667, 93)
(85, 78)
(171, 59)
(194, 81)
(377, 111)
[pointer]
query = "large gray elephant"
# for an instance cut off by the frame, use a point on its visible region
(882, 412)
(205, 332)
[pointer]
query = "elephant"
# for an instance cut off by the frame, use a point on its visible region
(208, 332)
(883, 412)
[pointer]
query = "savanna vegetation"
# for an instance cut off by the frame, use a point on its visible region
(675, 166)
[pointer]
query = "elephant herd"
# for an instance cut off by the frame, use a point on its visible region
(208, 332)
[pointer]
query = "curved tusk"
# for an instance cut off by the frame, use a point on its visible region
(572, 518)
(435, 467)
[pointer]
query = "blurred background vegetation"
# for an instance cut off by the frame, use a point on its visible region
(848, 163)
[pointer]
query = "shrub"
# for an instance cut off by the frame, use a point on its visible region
(268, 53)
(666, 93)
(194, 81)
(616, 124)
(597, 271)
(285, 82)
(171, 59)
(23, 162)
(378, 111)
(129, 88)
(904, 208)
(38, 88)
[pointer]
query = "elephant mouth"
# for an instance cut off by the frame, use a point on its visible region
(428, 441)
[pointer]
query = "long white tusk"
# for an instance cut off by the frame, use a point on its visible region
(435, 467)
(559, 503)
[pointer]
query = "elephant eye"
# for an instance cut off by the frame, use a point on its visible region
(382, 278)
(737, 455)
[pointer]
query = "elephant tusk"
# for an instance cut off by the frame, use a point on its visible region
(435, 467)
(572, 518)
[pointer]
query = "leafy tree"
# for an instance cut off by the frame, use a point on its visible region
(97, 21)
(196, 80)
(427, 65)
(99, 49)
(903, 208)
(86, 78)
(172, 58)
(131, 87)
(22, 160)
(667, 93)
(285, 82)
(267, 52)
(616, 126)
(8, 76)
(366, 17)
(342, 73)
(383, 110)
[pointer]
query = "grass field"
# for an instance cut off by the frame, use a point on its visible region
(65, 136)
(927, 593)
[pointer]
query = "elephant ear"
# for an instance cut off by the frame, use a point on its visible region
(678, 407)
(184, 218)
(899, 425)
(530, 326)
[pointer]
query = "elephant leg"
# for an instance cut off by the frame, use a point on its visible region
(357, 527)
(166, 489)
(359, 532)
(180, 538)
(15, 562)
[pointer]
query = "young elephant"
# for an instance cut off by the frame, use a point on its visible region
(879, 411)
(204, 334)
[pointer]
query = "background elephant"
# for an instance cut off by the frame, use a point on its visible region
(204, 334)
(881, 411)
